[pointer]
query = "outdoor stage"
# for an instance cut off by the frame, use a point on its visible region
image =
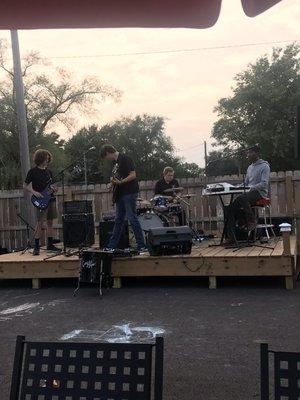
(204, 261)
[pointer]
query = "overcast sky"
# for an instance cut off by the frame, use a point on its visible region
(182, 86)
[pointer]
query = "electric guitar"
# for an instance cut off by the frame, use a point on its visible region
(43, 202)
(115, 174)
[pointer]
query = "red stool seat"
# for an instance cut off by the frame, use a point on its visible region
(265, 201)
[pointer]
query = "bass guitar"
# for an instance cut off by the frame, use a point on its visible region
(43, 202)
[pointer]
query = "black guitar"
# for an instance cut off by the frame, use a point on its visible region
(115, 174)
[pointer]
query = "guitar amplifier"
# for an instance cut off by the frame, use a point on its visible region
(78, 207)
(105, 232)
(79, 229)
(169, 240)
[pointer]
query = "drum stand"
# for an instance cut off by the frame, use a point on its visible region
(190, 223)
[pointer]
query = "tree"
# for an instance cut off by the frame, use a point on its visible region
(49, 100)
(262, 108)
(218, 164)
(143, 138)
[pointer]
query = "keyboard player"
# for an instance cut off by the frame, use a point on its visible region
(257, 178)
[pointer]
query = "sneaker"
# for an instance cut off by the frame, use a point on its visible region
(36, 252)
(52, 248)
(109, 249)
(143, 250)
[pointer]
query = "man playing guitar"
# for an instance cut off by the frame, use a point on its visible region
(125, 192)
(37, 180)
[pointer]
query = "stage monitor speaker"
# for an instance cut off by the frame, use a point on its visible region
(78, 207)
(297, 133)
(105, 232)
(79, 230)
(169, 240)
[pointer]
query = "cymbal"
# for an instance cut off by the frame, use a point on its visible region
(176, 189)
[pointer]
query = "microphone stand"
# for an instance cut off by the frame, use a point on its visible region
(61, 174)
(28, 227)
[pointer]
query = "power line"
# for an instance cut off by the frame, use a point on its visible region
(191, 147)
(171, 51)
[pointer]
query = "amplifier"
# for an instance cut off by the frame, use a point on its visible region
(78, 207)
(79, 230)
(77, 217)
(105, 231)
(169, 240)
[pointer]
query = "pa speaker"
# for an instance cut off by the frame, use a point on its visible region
(297, 133)
(79, 230)
(169, 240)
(105, 232)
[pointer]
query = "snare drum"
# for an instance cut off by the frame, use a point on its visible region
(160, 203)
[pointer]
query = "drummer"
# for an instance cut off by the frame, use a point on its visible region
(168, 182)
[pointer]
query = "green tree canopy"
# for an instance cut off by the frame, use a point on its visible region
(262, 108)
(143, 138)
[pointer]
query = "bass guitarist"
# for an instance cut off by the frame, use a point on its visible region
(37, 180)
(125, 192)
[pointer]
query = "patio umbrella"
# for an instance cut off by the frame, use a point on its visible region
(43, 14)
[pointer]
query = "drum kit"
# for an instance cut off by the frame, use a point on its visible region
(163, 210)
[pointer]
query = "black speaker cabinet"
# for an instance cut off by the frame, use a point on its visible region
(105, 232)
(78, 207)
(79, 230)
(169, 240)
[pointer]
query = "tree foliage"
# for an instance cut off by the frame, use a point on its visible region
(262, 108)
(143, 138)
(50, 98)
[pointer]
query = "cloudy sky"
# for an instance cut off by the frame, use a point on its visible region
(183, 86)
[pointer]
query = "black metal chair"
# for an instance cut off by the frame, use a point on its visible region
(286, 374)
(87, 371)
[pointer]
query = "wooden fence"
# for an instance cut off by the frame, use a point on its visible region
(206, 211)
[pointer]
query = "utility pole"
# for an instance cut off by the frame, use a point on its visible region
(22, 122)
(205, 154)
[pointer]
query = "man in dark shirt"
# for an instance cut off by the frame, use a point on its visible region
(37, 179)
(168, 182)
(125, 187)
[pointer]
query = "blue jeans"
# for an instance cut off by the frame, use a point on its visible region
(126, 206)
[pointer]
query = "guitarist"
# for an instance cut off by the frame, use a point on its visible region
(125, 187)
(37, 179)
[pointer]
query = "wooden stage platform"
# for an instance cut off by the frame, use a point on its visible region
(204, 261)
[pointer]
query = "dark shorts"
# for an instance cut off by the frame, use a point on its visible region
(49, 214)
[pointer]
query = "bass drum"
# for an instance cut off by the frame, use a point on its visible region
(151, 220)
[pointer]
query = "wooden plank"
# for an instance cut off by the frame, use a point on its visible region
(117, 283)
(286, 243)
(212, 282)
(289, 194)
(203, 266)
(289, 282)
(297, 206)
(36, 283)
(278, 250)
